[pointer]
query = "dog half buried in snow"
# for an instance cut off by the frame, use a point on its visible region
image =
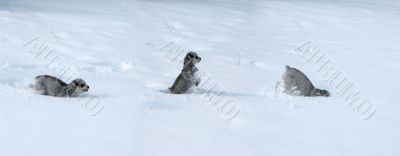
(295, 82)
(187, 78)
(52, 86)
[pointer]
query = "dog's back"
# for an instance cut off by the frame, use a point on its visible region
(296, 82)
(49, 85)
(181, 85)
(185, 80)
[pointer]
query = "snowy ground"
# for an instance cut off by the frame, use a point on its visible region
(121, 49)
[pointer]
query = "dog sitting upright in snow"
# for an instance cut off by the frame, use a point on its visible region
(187, 78)
(52, 86)
(297, 83)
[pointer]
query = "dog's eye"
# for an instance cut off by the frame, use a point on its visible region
(197, 57)
(82, 85)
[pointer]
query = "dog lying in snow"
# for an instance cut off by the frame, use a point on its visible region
(187, 77)
(52, 86)
(297, 83)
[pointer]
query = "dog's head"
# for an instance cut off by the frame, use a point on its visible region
(80, 86)
(320, 92)
(191, 57)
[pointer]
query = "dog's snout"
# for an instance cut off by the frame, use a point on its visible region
(86, 88)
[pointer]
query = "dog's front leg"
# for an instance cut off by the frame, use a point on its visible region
(197, 82)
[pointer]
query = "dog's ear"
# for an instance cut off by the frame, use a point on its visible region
(188, 57)
(75, 82)
(185, 60)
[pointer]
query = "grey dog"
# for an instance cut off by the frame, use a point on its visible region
(297, 83)
(52, 86)
(187, 77)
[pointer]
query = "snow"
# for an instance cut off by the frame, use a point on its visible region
(125, 50)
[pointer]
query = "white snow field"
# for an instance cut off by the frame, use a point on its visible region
(129, 53)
